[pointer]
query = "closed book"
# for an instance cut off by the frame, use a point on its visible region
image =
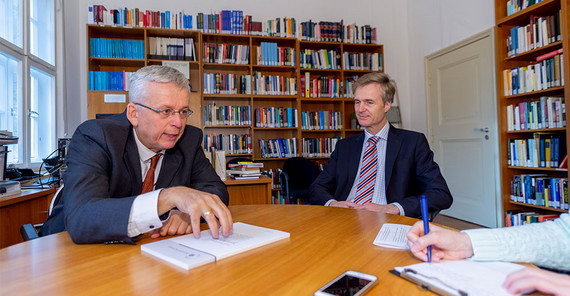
(188, 252)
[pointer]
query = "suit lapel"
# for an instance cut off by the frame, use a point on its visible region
(354, 157)
(132, 162)
(170, 165)
(392, 149)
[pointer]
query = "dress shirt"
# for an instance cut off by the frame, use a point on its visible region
(144, 212)
(379, 196)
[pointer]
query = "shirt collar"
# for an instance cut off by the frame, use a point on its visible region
(144, 153)
(382, 134)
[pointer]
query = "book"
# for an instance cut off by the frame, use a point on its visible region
(188, 252)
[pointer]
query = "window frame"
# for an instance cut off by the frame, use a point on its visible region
(28, 60)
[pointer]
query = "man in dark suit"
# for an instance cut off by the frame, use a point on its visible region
(385, 169)
(140, 171)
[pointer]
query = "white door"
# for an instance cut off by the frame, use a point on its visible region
(462, 126)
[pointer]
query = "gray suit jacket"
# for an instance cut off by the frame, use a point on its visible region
(104, 177)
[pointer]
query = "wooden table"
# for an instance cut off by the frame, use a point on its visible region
(29, 207)
(324, 243)
(249, 192)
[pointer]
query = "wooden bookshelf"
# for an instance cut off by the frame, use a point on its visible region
(199, 99)
(504, 24)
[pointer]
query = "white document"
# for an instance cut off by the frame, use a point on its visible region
(461, 277)
(188, 252)
(393, 236)
(114, 98)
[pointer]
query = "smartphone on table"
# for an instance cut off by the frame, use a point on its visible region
(350, 283)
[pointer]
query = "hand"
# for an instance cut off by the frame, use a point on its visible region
(197, 204)
(177, 223)
(445, 243)
(342, 204)
(388, 209)
(528, 279)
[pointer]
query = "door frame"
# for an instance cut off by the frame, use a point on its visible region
(489, 33)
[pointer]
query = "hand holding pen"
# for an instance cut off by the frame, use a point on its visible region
(446, 244)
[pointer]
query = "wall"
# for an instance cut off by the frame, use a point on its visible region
(409, 31)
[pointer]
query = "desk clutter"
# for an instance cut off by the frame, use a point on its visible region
(245, 170)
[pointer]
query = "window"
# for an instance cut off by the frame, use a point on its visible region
(28, 75)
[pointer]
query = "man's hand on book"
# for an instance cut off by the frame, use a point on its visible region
(197, 204)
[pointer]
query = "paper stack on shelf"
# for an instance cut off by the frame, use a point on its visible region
(245, 170)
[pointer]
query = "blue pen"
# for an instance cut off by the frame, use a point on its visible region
(425, 217)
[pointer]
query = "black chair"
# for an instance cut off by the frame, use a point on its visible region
(297, 174)
(29, 231)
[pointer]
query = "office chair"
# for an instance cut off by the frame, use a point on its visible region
(29, 231)
(297, 174)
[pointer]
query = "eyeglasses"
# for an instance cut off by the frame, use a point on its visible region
(167, 113)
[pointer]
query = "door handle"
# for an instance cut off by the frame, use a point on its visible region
(483, 130)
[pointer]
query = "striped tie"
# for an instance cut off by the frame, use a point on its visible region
(367, 180)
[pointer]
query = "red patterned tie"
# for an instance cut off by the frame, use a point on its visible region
(367, 179)
(148, 183)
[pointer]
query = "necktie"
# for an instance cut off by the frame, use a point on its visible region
(367, 179)
(148, 183)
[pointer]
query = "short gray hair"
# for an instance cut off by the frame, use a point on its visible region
(388, 85)
(155, 73)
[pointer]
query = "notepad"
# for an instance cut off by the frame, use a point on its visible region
(188, 252)
(460, 277)
(393, 236)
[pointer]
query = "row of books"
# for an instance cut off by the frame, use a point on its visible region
(116, 48)
(273, 84)
(544, 74)
(324, 59)
(114, 81)
(337, 32)
(348, 83)
(318, 147)
(269, 54)
(224, 53)
(548, 112)
(540, 32)
(542, 151)
(518, 5)
(231, 144)
(229, 83)
(362, 61)
(233, 22)
(320, 87)
(517, 217)
(227, 115)
(125, 17)
(278, 148)
(321, 120)
(540, 190)
(167, 48)
(275, 117)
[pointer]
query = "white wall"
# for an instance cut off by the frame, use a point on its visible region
(409, 31)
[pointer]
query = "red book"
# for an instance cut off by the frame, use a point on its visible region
(545, 56)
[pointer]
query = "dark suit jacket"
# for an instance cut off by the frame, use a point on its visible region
(103, 178)
(410, 172)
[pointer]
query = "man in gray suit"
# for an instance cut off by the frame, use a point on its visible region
(112, 163)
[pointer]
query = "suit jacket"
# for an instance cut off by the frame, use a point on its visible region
(410, 172)
(103, 178)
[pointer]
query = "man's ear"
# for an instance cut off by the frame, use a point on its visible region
(387, 106)
(133, 114)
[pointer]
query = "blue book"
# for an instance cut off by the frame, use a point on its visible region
(167, 19)
(281, 147)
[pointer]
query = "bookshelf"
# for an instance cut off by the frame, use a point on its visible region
(531, 107)
(250, 85)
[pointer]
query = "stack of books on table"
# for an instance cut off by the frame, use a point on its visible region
(245, 170)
